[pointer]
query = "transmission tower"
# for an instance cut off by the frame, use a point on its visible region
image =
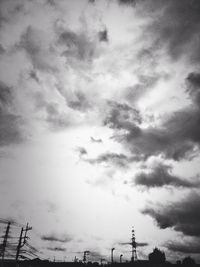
(85, 253)
(133, 244)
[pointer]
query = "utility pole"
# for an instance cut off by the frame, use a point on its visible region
(25, 235)
(112, 254)
(5, 239)
(22, 243)
(19, 244)
(120, 258)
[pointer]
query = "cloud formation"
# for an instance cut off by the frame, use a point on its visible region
(123, 117)
(77, 45)
(178, 36)
(119, 160)
(10, 122)
(103, 36)
(95, 140)
(145, 82)
(127, 2)
(57, 249)
(35, 43)
(160, 175)
(182, 216)
(55, 118)
(186, 247)
(56, 238)
(73, 66)
(82, 151)
(138, 244)
(177, 137)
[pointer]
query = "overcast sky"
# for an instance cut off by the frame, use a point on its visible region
(100, 125)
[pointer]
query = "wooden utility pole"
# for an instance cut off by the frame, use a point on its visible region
(22, 240)
(25, 235)
(19, 245)
(5, 239)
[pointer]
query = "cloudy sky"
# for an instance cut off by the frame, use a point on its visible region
(100, 125)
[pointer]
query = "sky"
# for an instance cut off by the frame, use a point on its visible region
(99, 125)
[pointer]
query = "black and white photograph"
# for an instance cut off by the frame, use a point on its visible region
(99, 133)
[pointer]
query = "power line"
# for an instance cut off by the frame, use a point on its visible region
(4, 221)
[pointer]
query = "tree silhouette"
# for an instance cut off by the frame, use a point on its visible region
(157, 256)
(188, 261)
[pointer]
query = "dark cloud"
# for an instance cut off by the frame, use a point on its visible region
(41, 54)
(122, 116)
(119, 160)
(142, 244)
(138, 244)
(34, 76)
(103, 36)
(5, 95)
(94, 140)
(194, 79)
(2, 50)
(184, 127)
(182, 216)
(175, 26)
(145, 84)
(194, 87)
(10, 132)
(57, 238)
(51, 3)
(177, 137)
(10, 122)
(76, 45)
(56, 119)
(82, 151)
(173, 139)
(57, 249)
(80, 102)
(186, 247)
(160, 176)
(127, 2)
(8, 9)
(77, 101)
